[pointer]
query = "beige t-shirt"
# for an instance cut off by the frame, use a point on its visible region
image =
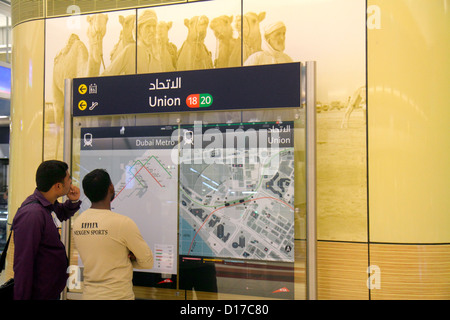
(104, 239)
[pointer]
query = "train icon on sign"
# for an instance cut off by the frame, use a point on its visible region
(87, 140)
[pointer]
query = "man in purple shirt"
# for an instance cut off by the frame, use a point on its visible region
(40, 260)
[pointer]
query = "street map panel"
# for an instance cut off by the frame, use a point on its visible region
(237, 192)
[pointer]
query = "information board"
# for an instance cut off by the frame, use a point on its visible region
(208, 190)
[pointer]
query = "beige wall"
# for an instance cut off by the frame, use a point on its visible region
(408, 117)
(407, 228)
(408, 69)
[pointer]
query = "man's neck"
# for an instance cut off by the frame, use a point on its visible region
(49, 196)
(103, 205)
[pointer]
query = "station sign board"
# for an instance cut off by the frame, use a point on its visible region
(252, 87)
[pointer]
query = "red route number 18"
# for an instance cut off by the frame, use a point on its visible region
(199, 100)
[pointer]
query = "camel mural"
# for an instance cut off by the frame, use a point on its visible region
(272, 48)
(126, 36)
(194, 54)
(76, 60)
(251, 33)
(237, 38)
(229, 50)
(166, 50)
(356, 100)
(226, 43)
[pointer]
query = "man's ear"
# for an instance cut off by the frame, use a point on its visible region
(112, 191)
(57, 187)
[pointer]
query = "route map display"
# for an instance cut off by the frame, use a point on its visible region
(237, 191)
(145, 179)
(201, 190)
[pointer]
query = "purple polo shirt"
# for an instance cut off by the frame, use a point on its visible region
(40, 260)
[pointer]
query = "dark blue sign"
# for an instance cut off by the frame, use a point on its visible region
(254, 87)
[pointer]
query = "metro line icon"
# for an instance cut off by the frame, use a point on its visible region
(199, 100)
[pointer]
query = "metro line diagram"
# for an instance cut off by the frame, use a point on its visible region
(145, 183)
(140, 171)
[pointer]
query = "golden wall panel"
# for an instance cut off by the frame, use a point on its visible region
(342, 271)
(26, 113)
(411, 271)
(408, 117)
(26, 110)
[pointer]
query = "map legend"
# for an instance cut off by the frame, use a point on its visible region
(163, 255)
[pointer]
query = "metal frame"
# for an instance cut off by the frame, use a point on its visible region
(67, 157)
(311, 234)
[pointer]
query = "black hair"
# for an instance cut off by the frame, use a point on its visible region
(49, 173)
(96, 184)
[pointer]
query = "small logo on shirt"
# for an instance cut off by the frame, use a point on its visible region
(93, 226)
(89, 225)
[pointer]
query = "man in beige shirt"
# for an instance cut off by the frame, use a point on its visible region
(110, 244)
